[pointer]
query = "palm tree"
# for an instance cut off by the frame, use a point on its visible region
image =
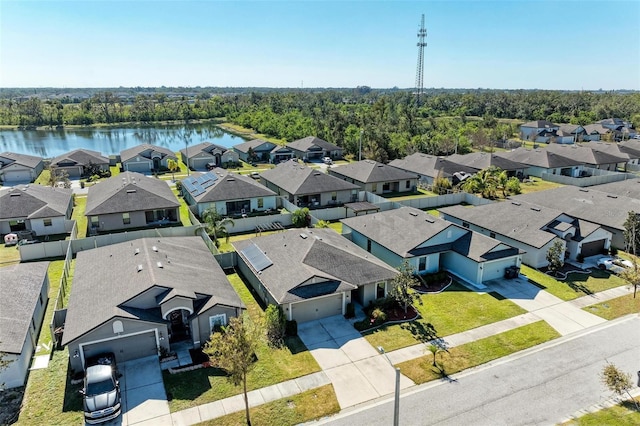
(434, 349)
(173, 166)
(216, 225)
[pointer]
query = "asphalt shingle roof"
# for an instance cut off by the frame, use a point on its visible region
(146, 150)
(206, 147)
(80, 157)
(626, 188)
(106, 278)
(539, 124)
(229, 186)
(21, 159)
(483, 160)
(368, 171)
(300, 255)
(253, 144)
(305, 143)
(298, 179)
(430, 165)
(586, 155)
(539, 158)
(34, 201)
(129, 192)
(20, 286)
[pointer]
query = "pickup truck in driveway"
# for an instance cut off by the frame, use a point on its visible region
(101, 391)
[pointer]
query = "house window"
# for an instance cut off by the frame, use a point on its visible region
(334, 196)
(380, 293)
(369, 246)
(260, 203)
(220, 319)
(47, 222)
(422, 264)
(126, 220)
(95, 222)
(465, 224)
(492, 234)
(374, 187)
(118, 327)
(408, 184)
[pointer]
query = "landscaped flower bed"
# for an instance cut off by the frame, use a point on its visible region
(385, 311)
(433, 283)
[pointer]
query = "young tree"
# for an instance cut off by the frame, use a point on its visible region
(233, 350)
(301, 218)
(555, 256)
(435, 350)
(402, 286)
(173, 165)
(632, 276)
(274, 325)
(216, 225)
(513, 186)
(618, 382)
(322, 224)
(632, 233)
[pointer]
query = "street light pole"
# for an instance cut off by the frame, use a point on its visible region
(396, 404)
(360, 146)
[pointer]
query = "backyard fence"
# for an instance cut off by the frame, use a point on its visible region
(598, 177)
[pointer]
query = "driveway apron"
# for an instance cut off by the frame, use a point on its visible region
(357, 371)
(144, 400)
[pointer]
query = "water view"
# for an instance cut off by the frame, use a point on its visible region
(51, 143)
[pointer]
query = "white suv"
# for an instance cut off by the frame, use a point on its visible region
(327, 160)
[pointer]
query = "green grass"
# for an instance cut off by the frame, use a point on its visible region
(576, 284)
(225, 246)
(44, 178)
(184, 209)
(9, 255)
(49, 397)
(115, 170)
(615, 308)
(197, 387)
(80, 205)
(401, 196)
(538, 185)
(472, 354)
(455, 310)
(249, 133)
(296, 409)
(624, 414)
(336, 226)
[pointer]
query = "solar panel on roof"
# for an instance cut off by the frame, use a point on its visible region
(197, 185)
(258, 260)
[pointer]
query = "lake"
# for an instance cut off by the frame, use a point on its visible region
(110, 141)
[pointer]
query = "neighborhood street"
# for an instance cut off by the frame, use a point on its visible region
(541, 386)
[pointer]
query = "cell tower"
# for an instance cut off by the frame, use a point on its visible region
(422, 35)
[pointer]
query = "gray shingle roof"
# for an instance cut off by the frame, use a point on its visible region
(20, 287)
(253, 144)
(229, 186)
(322, 253)
(626, 188)
(587, 155)
(518, 222)
(146, 150)
(206, 147)
(34, 201)
(570, 129)
(129, 192)
(80, 157)
(596, 128)
(430, 165)
(630, 147)
(368, 171)
(483, 160)
(106, 278)
(587, 204)
(305, 143)
(21, 159)
(298, 179)
(539, 124)
(539, 158)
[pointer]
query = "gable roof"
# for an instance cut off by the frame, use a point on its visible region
(34, 201)
(298, 179)
(80, 157)
(539, 124)
(630, 147)
(146, 150)
(519, 221)
(106, 278)
(305, 144)
(369, 171)
(206, 147)
(571, 129)
(587, 204)
(129, 192)
(30, 161)
(430, 165)
(483, 160)
(223, 185)
(596, 128)
(612, 148)
(253, 144)
(543, 158)
(300, 256)
(20, 288)
(587, 155)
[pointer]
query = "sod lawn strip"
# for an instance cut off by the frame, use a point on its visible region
(615, 308)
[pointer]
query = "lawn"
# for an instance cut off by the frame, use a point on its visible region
(296, 409)
(336, 226)
(454, 310)
(538, 185)
(9, 255)
(225, 246)
(615, 308)
(44, 178)
(401, 196)
(184, 209)
(576, 284)
(80, 204)
(49, 397)
(197, 387)
(624, 414)
(115, 170)
(248, 133)
(475, 353)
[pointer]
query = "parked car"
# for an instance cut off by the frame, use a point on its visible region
(614, 264)
(101, 391)
(327, 160)
(255, 175)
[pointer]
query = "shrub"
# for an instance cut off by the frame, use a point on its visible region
(613, 251)
(179, 187)
(580, 257)
(291, 328)
(274, 325)
(378, 316)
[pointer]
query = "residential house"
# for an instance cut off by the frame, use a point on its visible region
(538, 131)
(19, 168)
(483, 160)
(590, 157)
(596, 132)
(618, 149)
(313, 148)
(43, 210)
(541, 161)
(532, 228)
(206, 154)
(131, 200)
(631, 147)
(375, 177)
(80, 162)
(429, 167)
(622, 129)
(308, 187)
(431, 244)
(312, 273)
(570, 133)
(145, 158)
(136, 297)
(604, 209)
(24, 288)
(263, 151)
(231, 194)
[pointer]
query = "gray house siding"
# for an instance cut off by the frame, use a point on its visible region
(200, 328)
(115, 221)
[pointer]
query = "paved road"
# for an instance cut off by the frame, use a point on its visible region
(537, 387)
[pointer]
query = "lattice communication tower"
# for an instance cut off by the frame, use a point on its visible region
(422, 36)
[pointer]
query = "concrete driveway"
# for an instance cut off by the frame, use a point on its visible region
(357, 371)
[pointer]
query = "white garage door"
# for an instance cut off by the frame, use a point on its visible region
(135, 166)
(494, 270)
(201, 163)
(317, 308)
(125, 348)
(17, 176)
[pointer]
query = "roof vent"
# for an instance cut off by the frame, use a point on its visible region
(584, 190)
(515, 203)
(303, 236)
(159, 264)
(139, 267)
(14, 194)
(131, 191)
(154, 248)
(317, 237)
(430, 220)
(535, 209)
(317, 173)
(612, 196)
(137, 251)
(413, 214)
(230, 179)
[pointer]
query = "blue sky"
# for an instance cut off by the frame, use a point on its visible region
(573, 45)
